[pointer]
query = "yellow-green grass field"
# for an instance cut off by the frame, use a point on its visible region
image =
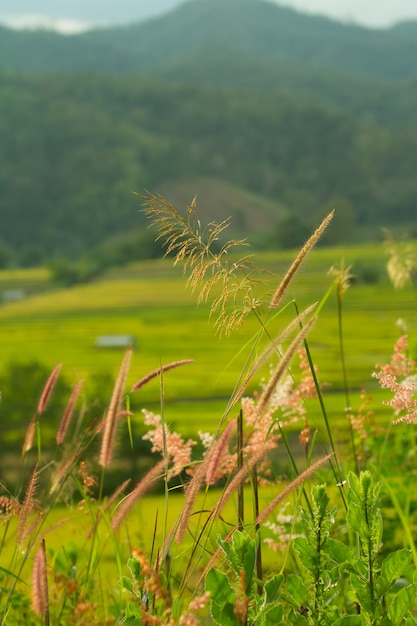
(151, 301)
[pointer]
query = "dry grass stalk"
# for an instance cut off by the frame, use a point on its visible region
(68, 412)
(48, 389)
(297, 482)
(282, 366)
(40, 597)
(28, 505)
(141, 488)
(157, 372)
(109, 433)
(273, 346)
(277, 297)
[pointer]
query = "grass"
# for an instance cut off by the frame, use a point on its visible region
(150, 301)
(137, 566)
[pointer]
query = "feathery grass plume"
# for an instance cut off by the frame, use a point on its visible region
(106, 451)
(205, 472)
(273, 346)
(48, 389)
(68, 412)
(28, 505)
(277, 297)
(342, 277)
(239, 477)
(40, 596)
(216, 453)
(63, 471)
(282, 366)
(191, 493)
(157, 372)
(202, 254)
(402, 262)
(297, 482)
(141, 488)
(29, 435)
(114, 496)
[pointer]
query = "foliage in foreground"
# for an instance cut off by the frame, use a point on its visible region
(336, 563)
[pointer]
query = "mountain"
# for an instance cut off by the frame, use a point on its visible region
(220, 30)
(241, 102)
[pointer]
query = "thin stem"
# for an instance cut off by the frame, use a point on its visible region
(240, 491)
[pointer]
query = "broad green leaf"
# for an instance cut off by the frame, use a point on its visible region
(393, 566)
(222, 598)
(134, 566)
(231, 554)
(338, 551)
(363, 593)
(127, 583)
(218, 585)
(272, 616)
(307, 552)
(272, 588)
(402, 603)
(297, 590)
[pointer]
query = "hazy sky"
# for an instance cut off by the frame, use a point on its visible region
(72, 15)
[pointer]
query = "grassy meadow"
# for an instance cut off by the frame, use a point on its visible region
(89, 580)
(151, 301)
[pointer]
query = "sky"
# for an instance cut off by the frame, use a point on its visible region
(76, 15)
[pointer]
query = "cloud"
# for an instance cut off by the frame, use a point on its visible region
(33, 22)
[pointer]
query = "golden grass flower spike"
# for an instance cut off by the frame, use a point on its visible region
(277, 297)
(207, 260)
(109, 432)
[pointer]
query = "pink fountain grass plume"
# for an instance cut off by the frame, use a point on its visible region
(40, 596)
(48, 389)
(283, 365)
(68, 413)
(28, 505)
(134, 496)
(157, 372)
(297, 482)
(107, 443)
(206, 472)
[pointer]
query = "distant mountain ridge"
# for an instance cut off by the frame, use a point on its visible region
(234, 28)
(261, 111)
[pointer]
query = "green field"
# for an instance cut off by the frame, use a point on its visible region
(151, 301)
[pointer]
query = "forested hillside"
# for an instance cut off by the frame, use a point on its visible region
(280, 115)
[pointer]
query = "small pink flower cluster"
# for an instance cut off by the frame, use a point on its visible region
(163, 440)
(400, 366)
